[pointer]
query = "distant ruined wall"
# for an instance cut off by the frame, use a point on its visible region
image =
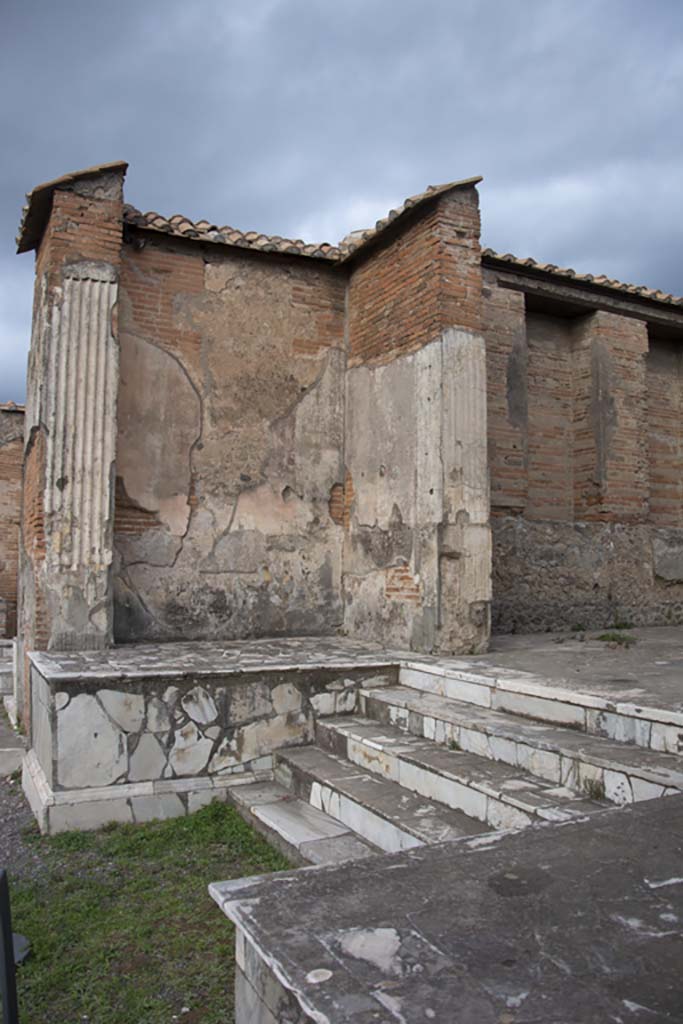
(417, 549)
(230, 444)
(585, 443)
(11, 452)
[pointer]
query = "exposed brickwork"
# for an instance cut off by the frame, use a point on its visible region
(80, 228)
(33, 509)
(153, 280)
(11, 456)
(584, 428)
(336, 504)
(665, 432)
(129, 518)
(506, 373)
(549, 397)
(341, 502)
(460, 261)
(401, 585)
(611, 473)
(323, 296)
(425, 279)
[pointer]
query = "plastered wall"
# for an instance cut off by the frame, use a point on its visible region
(230, 445)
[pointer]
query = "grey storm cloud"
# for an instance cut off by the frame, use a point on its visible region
(308, 118)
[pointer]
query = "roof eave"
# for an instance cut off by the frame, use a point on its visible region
(570, 279)
(412, 205)
(37, 210)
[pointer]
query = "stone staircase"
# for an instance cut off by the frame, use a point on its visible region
(450, 754)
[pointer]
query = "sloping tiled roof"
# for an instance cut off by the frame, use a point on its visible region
(35, 213)
(39, 199)
(203, 231)
(600, 280)
(358, 239)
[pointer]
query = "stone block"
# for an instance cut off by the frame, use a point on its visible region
(91, 751)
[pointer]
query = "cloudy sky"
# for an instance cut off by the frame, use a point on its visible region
(310, 118)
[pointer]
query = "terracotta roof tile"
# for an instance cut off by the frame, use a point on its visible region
(204, 231)
(601, 280)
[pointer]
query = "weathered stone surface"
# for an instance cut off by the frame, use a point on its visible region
(147, 760)
(557, 576)
(158, 715)
(286, 697)
(668, 556)
(200, 706)
(190, 751)
(90, 750)
(515, 891)
(126, 709)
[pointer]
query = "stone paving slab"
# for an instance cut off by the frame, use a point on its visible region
(650, 672)
(202, 658)
(579, 923)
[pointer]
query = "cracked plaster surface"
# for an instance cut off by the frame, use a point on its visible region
(244, 534)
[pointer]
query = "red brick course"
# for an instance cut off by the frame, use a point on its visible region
(11, 456)
(424, 279)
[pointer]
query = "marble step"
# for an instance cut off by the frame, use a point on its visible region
(380, 811)
(303, 833)
(492, 792)
(526, 695)
(595, 766)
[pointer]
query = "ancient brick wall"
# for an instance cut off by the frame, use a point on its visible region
(416, 554)
(584, 453)
(11, 452)
(230, 473)
(665, 432)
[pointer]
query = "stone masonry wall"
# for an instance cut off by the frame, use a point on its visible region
(11, 455)
(230, 444)
(584, 453)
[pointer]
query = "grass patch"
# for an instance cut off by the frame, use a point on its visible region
(454, 745)
(122, 928)
(621, 639)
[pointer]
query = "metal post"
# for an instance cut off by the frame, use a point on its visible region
(8, 983)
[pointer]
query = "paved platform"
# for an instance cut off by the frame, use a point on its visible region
(209, 658)
(649, 672)
(577, 923)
